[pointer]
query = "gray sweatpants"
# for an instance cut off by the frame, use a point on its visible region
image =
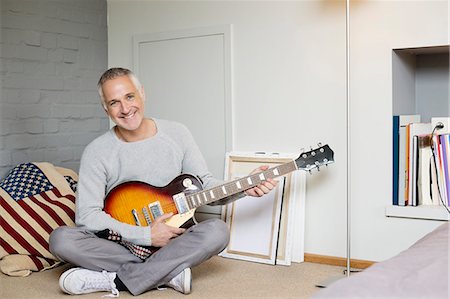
(83, 248)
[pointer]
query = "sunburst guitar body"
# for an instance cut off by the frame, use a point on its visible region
(139, 203)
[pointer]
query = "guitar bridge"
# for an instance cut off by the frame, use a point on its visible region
(181, 202)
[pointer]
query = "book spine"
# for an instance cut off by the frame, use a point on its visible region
(395, 159)
(403, 154)
(439, 168)
(434, 181)
(424, 180)
(445, 159)
(415, 160)
(408, 166)
(402, 166)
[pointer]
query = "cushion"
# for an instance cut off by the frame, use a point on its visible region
(35, 199)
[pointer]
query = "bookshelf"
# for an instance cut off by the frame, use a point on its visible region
(420, 81)
(419, 212)
(420, 85)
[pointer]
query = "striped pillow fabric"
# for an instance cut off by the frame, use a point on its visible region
(35, 199)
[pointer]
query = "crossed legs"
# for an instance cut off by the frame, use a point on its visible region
(196, 245)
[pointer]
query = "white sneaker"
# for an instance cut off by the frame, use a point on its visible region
(182, 282)
(77, 281)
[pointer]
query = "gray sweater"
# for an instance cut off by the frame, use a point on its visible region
(107, 161)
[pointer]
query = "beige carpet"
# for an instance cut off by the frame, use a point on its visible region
(216, 278)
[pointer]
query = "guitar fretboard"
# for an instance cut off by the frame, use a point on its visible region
(233, 187)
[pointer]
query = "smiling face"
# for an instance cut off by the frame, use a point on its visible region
(124, 103)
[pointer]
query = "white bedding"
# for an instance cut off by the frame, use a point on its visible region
(421, 271)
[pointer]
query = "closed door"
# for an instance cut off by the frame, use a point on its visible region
(185, 75)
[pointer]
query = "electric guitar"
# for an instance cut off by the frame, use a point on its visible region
(139, 203)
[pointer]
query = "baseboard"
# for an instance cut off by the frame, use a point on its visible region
(337, 261)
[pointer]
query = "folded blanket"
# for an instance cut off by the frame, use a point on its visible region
(35, 199)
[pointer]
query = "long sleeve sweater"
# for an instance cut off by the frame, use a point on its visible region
(107, 161)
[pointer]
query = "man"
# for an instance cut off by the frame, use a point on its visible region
(136, 149)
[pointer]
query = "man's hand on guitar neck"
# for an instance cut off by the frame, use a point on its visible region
(162, 233)
(263, 188)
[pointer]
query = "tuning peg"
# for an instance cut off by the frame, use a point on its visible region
(310, 172)
(317, 165)
(319, 144)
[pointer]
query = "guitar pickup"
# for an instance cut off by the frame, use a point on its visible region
(156, 209)
(146, 216)
(136, 217)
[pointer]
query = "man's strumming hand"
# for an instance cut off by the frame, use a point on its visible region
(162, 233)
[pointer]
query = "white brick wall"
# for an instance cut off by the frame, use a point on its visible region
(51, 56)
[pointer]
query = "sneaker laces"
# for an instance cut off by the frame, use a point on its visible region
(106, 283)
(170, 284)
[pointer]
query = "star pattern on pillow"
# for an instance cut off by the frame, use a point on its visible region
(73, 184)
(25, 180)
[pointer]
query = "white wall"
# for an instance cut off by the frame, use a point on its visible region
(289, 92)
(376, 28)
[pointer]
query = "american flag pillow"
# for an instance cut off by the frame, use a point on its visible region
(35, 199)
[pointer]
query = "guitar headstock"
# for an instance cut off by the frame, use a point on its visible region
(323, 155)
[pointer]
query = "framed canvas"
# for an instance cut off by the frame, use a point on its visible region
(262, 229)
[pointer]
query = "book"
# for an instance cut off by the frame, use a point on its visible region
(395, 157)
(414, 129)
(399, 179)
(402, 166)
(444, 139)
(440, 176)
(434, 192)
(415, 157)
(407, 165)
(423, 170)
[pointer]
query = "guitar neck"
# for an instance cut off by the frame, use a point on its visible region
(239, 185)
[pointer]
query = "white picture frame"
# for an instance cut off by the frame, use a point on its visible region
(286, 211)
(254, 227)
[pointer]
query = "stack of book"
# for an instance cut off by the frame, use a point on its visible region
(421, 162)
